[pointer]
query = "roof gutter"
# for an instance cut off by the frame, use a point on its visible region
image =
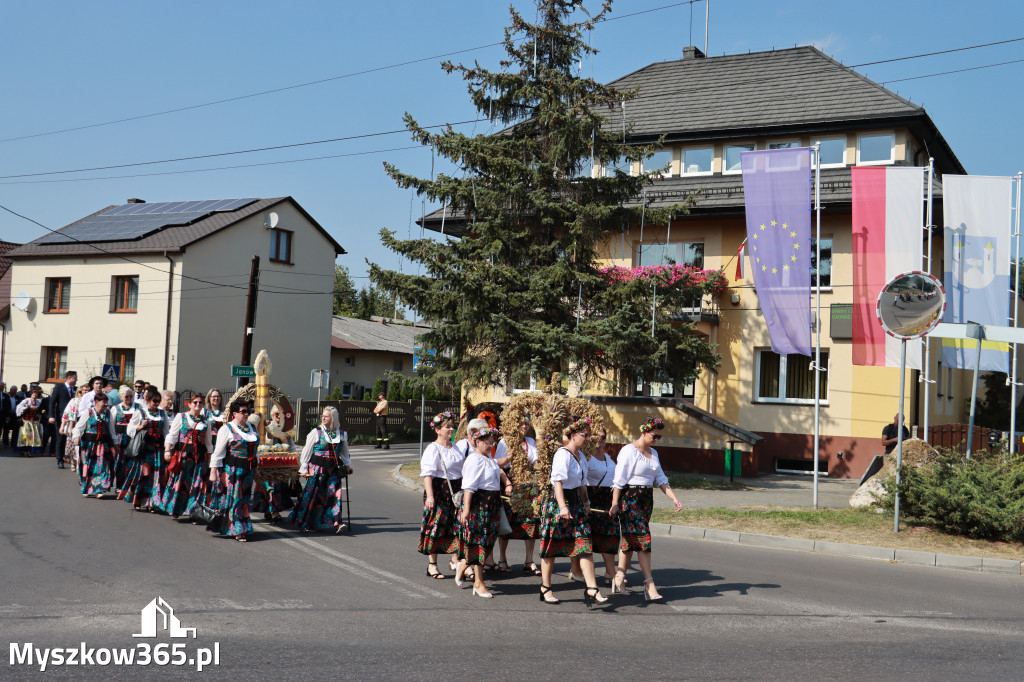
(167, 334)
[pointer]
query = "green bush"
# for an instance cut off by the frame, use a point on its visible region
(395, 389)
(979, 498)
(378, 388)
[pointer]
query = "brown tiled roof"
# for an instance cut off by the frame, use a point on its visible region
(173, 239)
(5, 277)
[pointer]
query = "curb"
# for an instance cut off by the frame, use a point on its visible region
(905, 556)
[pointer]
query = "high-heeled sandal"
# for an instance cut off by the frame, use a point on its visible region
(531, 568)
(619, 583)
(485, 595)
(544, 590)
(647, 596)
(590, 599)
(436, 574)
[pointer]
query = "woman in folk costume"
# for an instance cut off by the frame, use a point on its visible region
(30, 436)
(482, 481)
(186, 448)
(323, 464)
(121, 414)
(564, 521)
(637, 471)
(233, 470)
(604, 528)
(96, 441)
(440, 467)
(68, 420)
(145, 473)
(525, 528)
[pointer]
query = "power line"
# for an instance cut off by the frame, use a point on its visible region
(932, 54)
(945, 73)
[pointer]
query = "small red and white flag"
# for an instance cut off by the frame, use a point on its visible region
(740, 253)
(888, 217)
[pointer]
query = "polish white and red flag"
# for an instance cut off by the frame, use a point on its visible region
(888, 217)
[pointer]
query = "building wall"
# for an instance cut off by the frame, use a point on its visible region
(367, 366)
(89, 327)
(294, 328)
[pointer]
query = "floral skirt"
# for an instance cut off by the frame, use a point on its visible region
(604, 529)
(235, 499)
(185, 489)
(564, 537)
(121, 463)
(319, 505)
(635, 518)
(480, 529)
(97, 467)
(144, 479)
(272, 498)
(523, 527)
(440, 525)
(30, 437)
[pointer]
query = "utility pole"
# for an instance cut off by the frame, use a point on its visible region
(250, 317)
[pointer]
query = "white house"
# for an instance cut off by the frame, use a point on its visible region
(363, 351)
(160, 290)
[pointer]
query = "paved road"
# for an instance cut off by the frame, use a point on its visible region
(360, 606)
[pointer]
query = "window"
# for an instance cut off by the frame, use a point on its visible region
(124, 358)
(833, 152)
(58, 294)
(522, 384)
(787, 144)
(126, 294)
(55, 363)
(280, 246)
(661, 161)
(398, 366)
(674, 253)
(788, 378)
(876, 149)
(697, 161)
(350, 360)
(826, 262)
(621, 163)
(732, 157)
(347, 388)
(586, 168)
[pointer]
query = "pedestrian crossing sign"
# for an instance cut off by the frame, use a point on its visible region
(111, 372)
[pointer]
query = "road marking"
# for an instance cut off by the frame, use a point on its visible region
(357, 566)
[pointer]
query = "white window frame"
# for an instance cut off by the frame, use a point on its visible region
(828, 287)
(825, 356)
(671, 162)
(841, 138)
(682, 161)
(725, 156)
(892, 148)
(793, 144)
(608, 169)
(532, 388)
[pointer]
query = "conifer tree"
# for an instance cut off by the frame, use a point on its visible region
(522, 292)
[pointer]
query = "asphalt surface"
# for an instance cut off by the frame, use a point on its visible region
(360, 607)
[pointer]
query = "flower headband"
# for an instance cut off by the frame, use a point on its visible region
(486, 432)
(441, 418)
(577, 425)
(650, 424)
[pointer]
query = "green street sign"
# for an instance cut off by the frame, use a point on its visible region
(242, 371)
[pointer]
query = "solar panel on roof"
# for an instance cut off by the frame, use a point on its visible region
(135, 221)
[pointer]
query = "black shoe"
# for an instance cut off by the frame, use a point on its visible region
(60, 465)
(377, 447)
(387, 447)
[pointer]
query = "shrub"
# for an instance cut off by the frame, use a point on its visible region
(395, 389)
(980, 498)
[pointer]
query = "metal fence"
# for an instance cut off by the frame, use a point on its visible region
(955, 435)
(357, 415)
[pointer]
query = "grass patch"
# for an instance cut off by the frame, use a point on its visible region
(684, 482)
(411, 470)
(856, 526)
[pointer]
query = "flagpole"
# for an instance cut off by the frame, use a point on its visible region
(1016, 298)
(927, 340)
(817, 315)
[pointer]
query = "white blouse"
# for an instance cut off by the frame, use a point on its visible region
(528, 443)
(144, 413)
(201, 426)
(83, 421)
(480, 472)
(25, 404)
(430, 462)
(600, 473)
(313, 436)
(634, 468)
(224, 438)
(566, 469)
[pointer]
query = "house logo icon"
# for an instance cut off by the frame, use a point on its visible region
(157, 615)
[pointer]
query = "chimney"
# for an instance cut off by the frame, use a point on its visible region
(136, 201)
(691, 52)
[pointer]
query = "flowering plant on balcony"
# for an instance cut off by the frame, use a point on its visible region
(674, 276)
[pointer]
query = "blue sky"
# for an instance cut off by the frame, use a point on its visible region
(70, 64)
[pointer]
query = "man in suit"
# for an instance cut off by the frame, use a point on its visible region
(60, 397)
(10, 423)
(5, 412)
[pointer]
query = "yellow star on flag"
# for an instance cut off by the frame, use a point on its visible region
(792, 258)
(763, 268)
(785, 226)
(796, 245)
(792, 234)
(762, 226)
(774, 223)
(775, 271)
(755, 234)
(785, 267)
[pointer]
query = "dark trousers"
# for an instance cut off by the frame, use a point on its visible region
(60, 441)
(382, 430)
(9, 430)
(48, 435)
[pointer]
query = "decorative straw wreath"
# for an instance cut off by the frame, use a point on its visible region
(550, 413)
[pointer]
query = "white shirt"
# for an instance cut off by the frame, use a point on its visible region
(634, 468)
(83, 421)
(336, 437)
(202, 429)
(480, 472)
(566, 469)
(26, 403)
(600, 473)
(86, 402)
(529, 444)
(141, 414)
(224, 438)
(430, 462)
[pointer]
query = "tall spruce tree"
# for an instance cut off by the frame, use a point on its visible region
(522, 291)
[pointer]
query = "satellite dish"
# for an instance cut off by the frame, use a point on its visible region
(272, 219)
(22, 301)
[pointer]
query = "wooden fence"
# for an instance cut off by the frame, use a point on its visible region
(955, 435)
(357, 415)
